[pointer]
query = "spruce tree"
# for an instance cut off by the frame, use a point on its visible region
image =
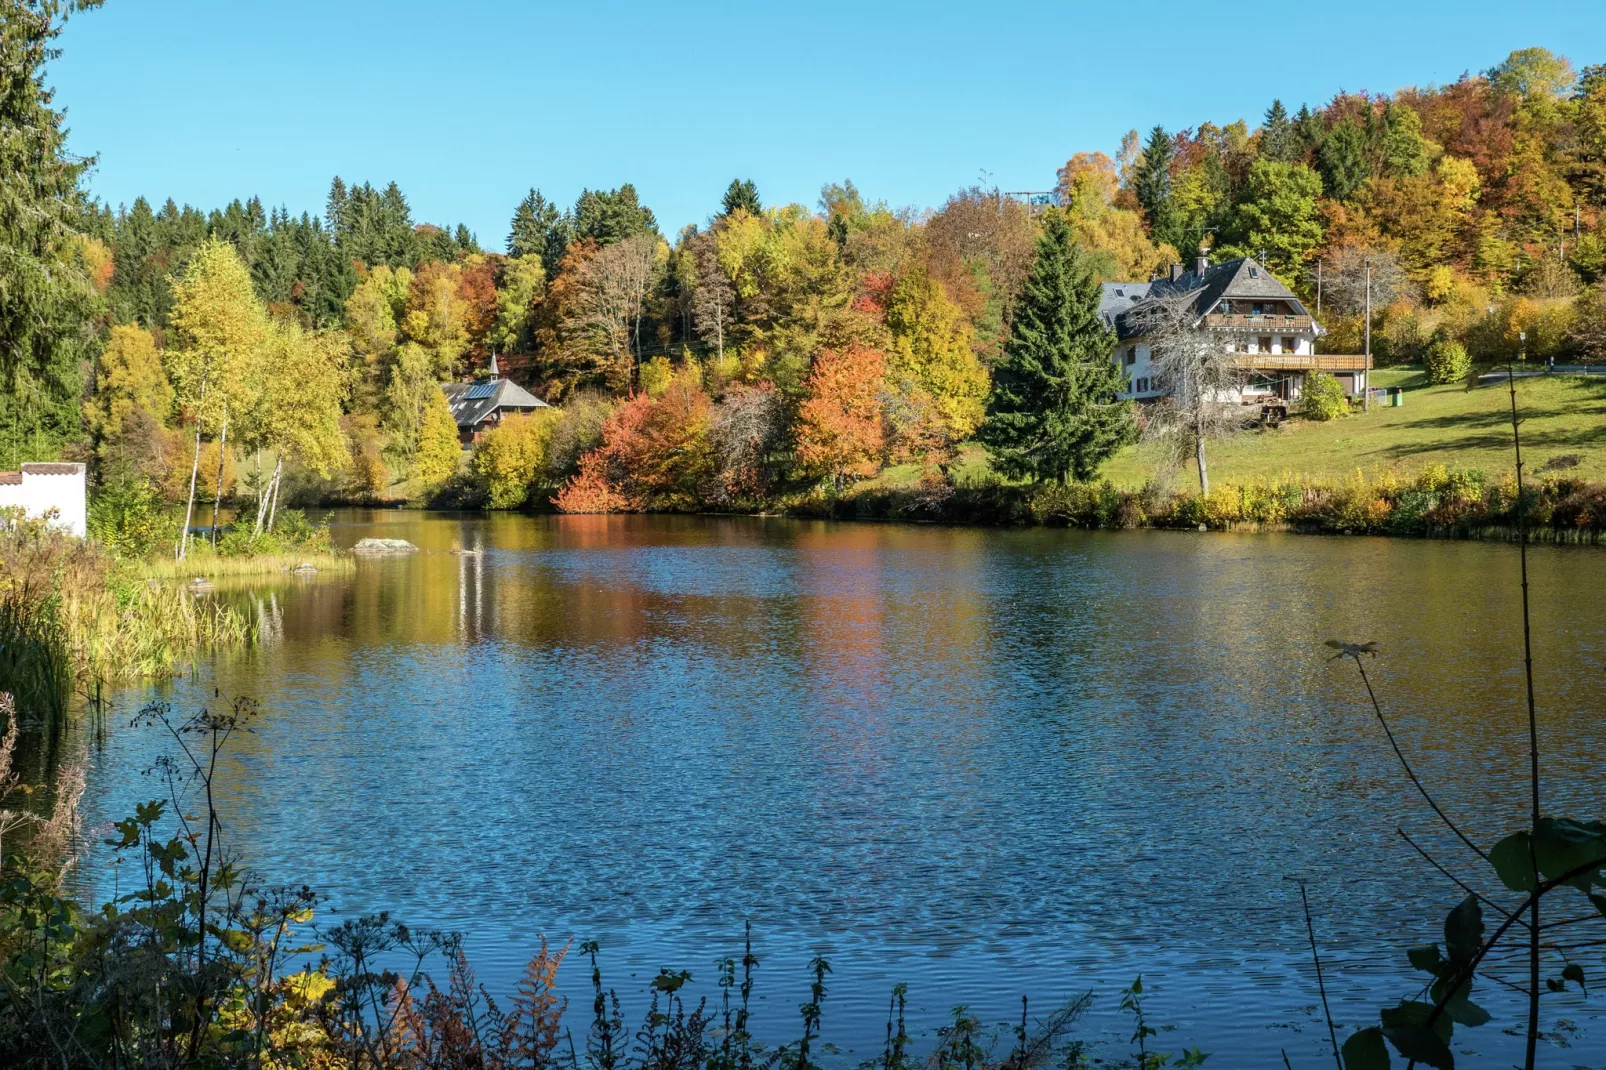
(741, 193)
(533, 220)
(1152, 184)
(1277, 140)
(46, 299)
(1055, 410)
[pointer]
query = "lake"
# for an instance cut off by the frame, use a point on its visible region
(983, 762)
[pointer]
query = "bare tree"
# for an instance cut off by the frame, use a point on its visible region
(1200, 376)
(712, 294)
(612, 295)
(749, 423)
(1344, 279)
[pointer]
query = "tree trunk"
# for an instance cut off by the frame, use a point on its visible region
(1199, 455)
(189, 509)
(262, 497)
(217, 497)
(273, 509)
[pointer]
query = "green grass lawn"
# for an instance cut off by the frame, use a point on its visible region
(1563, 416)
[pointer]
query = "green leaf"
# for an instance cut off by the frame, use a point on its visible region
(1574, 973)
(1512, 863)
(1463, 1011)
(1366, 1051)
(1600, 903)
(1425, 958)
(1415, 1013)
(1564, 845)
(1463, 931)
(1421, 1044)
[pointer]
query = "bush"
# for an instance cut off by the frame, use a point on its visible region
(130, 518)
(1323, 398)
(1447, 360)
(510, 459)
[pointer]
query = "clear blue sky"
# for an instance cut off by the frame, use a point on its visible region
(468, 104)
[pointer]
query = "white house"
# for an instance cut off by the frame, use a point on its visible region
(1259, 320)
(39, 488)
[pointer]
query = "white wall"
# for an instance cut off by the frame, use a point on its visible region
(43, 487)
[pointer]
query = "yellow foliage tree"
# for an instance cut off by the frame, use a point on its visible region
(130, 378)
(219, 328)
(439, 450)
(508, 460)
(933, 352)
(297, 415)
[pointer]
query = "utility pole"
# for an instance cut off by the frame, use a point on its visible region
(1366, 395)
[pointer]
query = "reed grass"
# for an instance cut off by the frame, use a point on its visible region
(215, 566)
(72, 617)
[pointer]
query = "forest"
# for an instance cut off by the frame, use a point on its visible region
(778, 354)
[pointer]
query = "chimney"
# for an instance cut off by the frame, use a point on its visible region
(1200, 263)
(1176, 272)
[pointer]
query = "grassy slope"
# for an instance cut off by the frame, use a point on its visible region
(1447, 425)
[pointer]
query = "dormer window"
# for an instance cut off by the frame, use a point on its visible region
(1120, 292)
(1254, 273)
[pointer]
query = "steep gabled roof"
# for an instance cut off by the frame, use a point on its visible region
(473, 403)
(1243, 279)
(1116, 297)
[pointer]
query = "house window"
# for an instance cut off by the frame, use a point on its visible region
(1265, 345)
(1131, 355)
(1258, 310)
(1143, 386)
(1290, 345)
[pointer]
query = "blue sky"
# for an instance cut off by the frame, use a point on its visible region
(467, 105)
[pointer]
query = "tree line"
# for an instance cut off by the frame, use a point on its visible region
(774, 350)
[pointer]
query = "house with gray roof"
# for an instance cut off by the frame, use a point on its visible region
(1260, 321)
(479, 406)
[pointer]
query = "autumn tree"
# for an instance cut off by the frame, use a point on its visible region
(1277, 217)
(1055, 410)
(219, 329)
(713, 298)
(510, 458)
(439, 448)
(131, 392)
(296, 411)
(933, 354)
(839, 426)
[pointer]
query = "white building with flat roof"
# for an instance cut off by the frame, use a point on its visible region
(40, 488)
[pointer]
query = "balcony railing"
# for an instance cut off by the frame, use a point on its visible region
(1247, 322)
(1302, 362)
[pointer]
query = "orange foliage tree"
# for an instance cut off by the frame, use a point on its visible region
(655, 454)
(839, 429)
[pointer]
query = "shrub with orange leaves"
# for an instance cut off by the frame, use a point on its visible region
(840, 430)
(655, 454)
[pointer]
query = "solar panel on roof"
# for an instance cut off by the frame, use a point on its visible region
(479, 391)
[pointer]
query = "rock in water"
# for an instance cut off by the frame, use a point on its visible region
(384, 546)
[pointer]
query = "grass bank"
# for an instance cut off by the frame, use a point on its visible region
(74, 618)
(1564, 417)
(218, 566)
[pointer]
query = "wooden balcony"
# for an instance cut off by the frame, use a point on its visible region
(1244, 322)
(1302, 362)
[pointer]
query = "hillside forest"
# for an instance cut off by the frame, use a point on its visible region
(776, 353)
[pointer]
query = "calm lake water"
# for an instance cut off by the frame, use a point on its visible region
(984, 762)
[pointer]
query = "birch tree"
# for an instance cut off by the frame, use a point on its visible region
(219, 328)
(303, 388)
(1199, 374)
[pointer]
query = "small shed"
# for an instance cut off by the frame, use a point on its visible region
(479, 406)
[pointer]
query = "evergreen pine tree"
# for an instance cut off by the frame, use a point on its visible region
(46, 298)
(1055, 410)
(533, 220)
(1277, 139)
(1342, 160)
(741, 193)
(1152, 184)
(1309, 130)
